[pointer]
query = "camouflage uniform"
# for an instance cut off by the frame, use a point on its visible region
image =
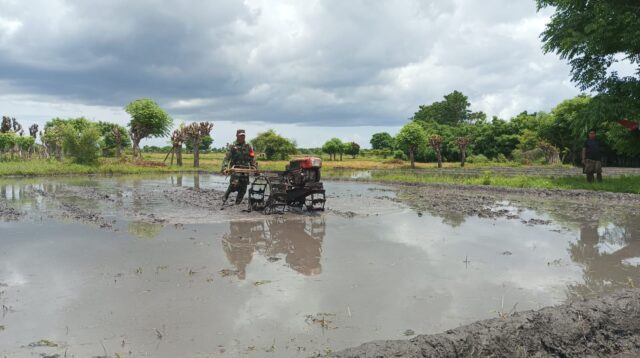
(238, 155)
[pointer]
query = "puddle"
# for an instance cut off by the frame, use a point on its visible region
(151, 266)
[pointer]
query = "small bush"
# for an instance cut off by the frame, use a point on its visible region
(501, 158)
(398, 154)
(480, 158)
(486, 178)
(82, 146)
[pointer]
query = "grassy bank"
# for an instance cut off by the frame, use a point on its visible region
(44, 167)
(211, 162)
(621, 184)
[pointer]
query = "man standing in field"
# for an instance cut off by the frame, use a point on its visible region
(591, 157)
(239, 153)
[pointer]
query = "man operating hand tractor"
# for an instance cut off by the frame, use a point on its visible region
(239, 154)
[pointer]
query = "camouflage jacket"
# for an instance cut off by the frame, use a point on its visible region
(239, 154)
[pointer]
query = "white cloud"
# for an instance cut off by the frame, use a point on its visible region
(320, 63)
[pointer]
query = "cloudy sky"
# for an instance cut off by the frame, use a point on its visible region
(311, 69)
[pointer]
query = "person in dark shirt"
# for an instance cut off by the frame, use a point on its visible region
(592, 157)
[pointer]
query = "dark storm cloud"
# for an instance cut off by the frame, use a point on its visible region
(321, 63)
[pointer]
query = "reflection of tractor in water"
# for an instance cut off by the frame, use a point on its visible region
(297, 241)
(298, 186)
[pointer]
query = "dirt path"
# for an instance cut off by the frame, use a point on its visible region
(608, 326)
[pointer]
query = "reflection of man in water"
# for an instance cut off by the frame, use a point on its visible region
(300, 241)
(605, 262)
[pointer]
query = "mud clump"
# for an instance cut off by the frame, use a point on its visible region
(9, 214)
(455, 202)
(202, 198)
(75, 212)
(606, 326)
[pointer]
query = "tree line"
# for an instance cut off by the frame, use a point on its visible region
(84, 141)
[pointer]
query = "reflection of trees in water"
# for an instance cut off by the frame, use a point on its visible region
(603, 254)
(144, 230)
(299, 240)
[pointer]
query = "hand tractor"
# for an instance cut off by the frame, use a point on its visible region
(299, 186)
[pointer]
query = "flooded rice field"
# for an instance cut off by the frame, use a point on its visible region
(152, 267)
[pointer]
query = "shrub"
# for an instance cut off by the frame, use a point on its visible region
(479, 158)
(7, 141)
(398, 154)
(501, 158)
(82, 145)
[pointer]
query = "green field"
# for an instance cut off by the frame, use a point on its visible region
(389, 170)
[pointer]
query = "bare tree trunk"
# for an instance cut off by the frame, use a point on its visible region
(136, 147)
(118, 150)
(196, 154)
(412, 157)
(179, 156)
(463, 156)
(439, 157)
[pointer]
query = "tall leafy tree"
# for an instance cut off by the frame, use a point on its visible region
(454, 110)
(352, 148)
(410, 137)
(593, 36)
(382, 140)
(114, 138)
(147, 120)
(273, 145)
(332, 147)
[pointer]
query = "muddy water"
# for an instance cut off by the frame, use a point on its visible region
(152, 267)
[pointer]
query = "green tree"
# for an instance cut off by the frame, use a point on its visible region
(352, 149)
(147, 120)
(566, 130)
(454, 110)
(114, 137)
(55, 133)
(593, 36)
(205, 143)
(82, 145)
(528, 140)
(410, 137)
(332, 147)
(382, 140)
(7, 141)
(273, 145)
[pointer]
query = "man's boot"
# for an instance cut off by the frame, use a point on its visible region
(225, 197)
(239, 198)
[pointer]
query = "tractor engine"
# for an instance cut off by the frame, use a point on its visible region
(298, 186)
(304, 170)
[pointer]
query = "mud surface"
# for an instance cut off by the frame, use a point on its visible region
(8, 213)
(464, 201)
(155, 266)
(608, 326)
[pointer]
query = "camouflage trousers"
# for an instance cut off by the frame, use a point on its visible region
(592, 166)
(238, 183)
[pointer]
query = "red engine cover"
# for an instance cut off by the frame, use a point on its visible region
(310, 162)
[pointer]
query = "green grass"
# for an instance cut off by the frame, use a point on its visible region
(394, 171)
(621, 184)
(44, 167)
